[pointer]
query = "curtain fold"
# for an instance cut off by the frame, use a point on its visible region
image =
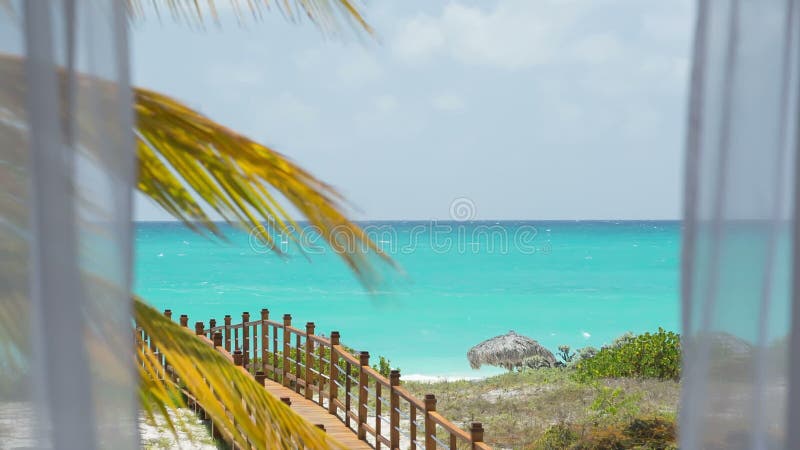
(67, 378)
(738, 225)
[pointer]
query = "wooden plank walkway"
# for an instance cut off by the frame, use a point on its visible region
(322, 380)
(315, 414)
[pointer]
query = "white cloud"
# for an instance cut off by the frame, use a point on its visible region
(239, 74)
(419, 39)
(352, 65)
(597, 49)
(385, 103)
(664, 27)
(362, 67)
(448, 102)
(308, 59)
(515, 33)
(287, 109)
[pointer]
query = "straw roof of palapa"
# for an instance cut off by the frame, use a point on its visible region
(507, 350)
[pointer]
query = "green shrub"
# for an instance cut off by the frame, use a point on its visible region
(383, 367)
(621, 340)
(615, 404)
(653, 433)
(603, 438)
(557, 437)
(656, 433)
(649, 355)
(586, 352)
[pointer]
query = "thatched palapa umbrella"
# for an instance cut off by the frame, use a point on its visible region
(507, 351)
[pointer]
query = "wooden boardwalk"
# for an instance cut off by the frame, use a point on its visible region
(329, 385)
(312, 412)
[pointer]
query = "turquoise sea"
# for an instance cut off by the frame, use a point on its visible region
(560, 282)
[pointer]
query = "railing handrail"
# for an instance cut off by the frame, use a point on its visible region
(409, 397)
(302, 352)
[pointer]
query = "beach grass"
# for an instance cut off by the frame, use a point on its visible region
(517, 408)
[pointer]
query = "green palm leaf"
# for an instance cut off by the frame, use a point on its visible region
(327, 15)
(188, 163)
(185, 159)
(237, 404)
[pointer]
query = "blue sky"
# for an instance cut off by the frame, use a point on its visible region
(530, 109)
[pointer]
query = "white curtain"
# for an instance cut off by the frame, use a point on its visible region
(67, 172)
(739, 228)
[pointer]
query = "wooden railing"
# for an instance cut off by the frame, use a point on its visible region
(378, 410)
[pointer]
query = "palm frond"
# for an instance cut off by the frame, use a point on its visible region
(188, 163)
(262, 421)
(186, 158)
(327, 15)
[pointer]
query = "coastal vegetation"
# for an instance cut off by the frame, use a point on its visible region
(559, 406)
(529, 409)
(648, 355)
(622, 396)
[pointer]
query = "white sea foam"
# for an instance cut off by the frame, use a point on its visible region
(438, 378)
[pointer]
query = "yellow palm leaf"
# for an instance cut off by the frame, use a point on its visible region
(185, 159)
(327, 15)
(237, 404)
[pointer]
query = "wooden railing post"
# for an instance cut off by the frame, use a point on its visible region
(394, 406)
(475, 433)
(198, 328)
(212, 323)
(348, 386)
(309, 360)
(246, 339)
(412, 426)
(217, 339)
(264, 338)
(275, 350)
(237, 357)
(156, 352)
(184, 320)
(287, 345)
(260, 377)
(363, 385)
(227, 322)
(333, 388)
(430, 427)
(152, 345)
